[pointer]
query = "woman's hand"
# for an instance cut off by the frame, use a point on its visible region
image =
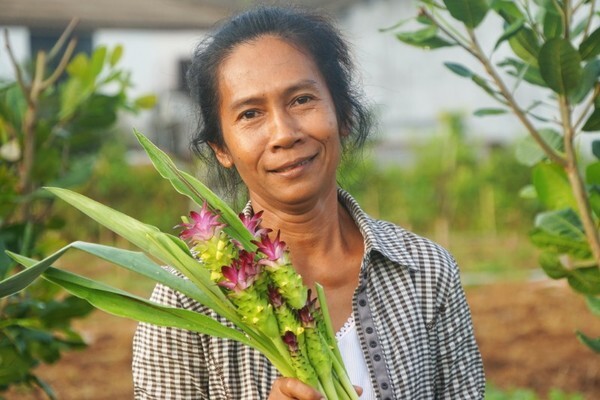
(290, 388)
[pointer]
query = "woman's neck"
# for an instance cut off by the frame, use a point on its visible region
(317, 236)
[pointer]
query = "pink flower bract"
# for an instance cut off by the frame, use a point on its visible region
(204, 226)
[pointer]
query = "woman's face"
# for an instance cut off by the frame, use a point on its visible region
(279, 123)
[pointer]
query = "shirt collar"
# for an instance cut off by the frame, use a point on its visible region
(381, 237)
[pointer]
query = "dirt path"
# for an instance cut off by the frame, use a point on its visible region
(525, 331)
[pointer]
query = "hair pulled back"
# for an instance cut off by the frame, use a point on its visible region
(313, 33)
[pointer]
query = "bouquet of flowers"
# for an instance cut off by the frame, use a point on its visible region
(230, 264)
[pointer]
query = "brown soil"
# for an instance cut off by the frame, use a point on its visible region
(525, 332)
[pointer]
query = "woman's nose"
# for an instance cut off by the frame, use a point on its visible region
(285, 132)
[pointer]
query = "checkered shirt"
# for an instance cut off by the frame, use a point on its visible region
(412, 318)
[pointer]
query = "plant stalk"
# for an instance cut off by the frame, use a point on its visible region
(576, 180)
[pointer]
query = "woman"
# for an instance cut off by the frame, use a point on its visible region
(277, 104)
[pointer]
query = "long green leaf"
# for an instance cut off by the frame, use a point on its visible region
(593, 304)
(560, 244)
(560, 66)
(424, 38)
(196, 191)
(166, 248)
(469, 12)
(593, 122)
(510, 30)
(123, 304)
(529, 152)
(585, 280)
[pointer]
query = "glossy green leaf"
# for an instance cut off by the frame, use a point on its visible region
(585, 280)
(529, 152)
(482, 112)
(564, 223)
(593, 122)
(510, 30)
(526, 46)
(589, 78)
(469, 12)
(590, 47)
(593, 344)
(552, 266)
(508, 10)
(553, 22)
(560, 66)
(196, 191)
(424, 38)
(552, 186)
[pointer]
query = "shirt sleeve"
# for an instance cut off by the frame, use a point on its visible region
(459, 361)
(168, 363)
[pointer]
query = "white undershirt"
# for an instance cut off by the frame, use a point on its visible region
(354, 360)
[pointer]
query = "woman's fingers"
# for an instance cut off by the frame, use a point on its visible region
(289, 388)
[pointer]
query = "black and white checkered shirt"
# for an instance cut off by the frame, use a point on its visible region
(411, 315)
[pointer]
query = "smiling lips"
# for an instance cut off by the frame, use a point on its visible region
(294, 164)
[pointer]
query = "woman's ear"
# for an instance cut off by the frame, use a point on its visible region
(222, 155)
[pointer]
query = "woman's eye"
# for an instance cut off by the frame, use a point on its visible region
(303, 99)
(249, 114)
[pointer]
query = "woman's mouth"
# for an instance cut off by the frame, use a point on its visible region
(294, 165)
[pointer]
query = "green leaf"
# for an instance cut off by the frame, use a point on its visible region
(469, 12)
(97, 62)
(552, 266)
(585, 280)
(529, 152)
(196, 191)
(459, 69)
(526, 46)
(123, 304)
(563, 223)
(552, 186)
(166, 248)
(592, 173)
(424, 38)
(593, 304)
(489, 111)
(508, 10)
(593, 344)
(146, 101)
(589, 77)
(527, 72)
(116, 55)
(553, 22)
(596, 148)
(559, 244)
(593, 122)
(560, 65)
(79, 65)
(590, 47)
(510, 30)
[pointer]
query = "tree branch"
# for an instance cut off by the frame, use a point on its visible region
(15, 65)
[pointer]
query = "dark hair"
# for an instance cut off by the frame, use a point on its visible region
(310, 31)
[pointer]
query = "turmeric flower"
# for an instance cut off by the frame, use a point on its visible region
(203, 227)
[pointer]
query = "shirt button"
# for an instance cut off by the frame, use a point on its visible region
(377, 357)
(373, 344)
(369, 330)
(362, 302)
(384, 386)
